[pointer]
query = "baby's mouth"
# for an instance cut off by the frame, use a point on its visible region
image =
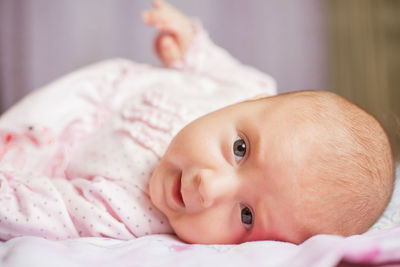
(176, 191)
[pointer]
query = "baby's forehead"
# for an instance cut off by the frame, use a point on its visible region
(283, 120)
(295, 125)
(313, 110)
(295, 114)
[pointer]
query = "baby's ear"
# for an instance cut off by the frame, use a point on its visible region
(259, 96)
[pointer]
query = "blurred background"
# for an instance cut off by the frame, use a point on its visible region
(351, 47)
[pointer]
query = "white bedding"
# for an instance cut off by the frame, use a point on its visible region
(380, 245)
(166, 250)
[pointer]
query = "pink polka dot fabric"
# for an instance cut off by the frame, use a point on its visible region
(76, 156)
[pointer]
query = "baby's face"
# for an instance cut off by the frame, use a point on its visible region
(232, 176)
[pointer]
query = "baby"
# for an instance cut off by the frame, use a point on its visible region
(282, 167)
(274, 168)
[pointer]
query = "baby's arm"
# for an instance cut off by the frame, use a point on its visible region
(182, 43)
(175, 32)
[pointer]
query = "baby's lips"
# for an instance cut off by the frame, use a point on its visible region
(177, 191)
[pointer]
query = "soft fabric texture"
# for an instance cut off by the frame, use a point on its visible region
(373, 249)
(76, 156)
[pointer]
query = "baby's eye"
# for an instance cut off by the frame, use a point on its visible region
(239, 149)
(246, 216)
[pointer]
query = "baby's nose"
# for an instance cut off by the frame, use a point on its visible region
(215, 187)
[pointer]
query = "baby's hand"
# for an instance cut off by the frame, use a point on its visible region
(175, 31)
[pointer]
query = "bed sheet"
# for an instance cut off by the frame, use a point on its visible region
(165, 250)
(379, 246)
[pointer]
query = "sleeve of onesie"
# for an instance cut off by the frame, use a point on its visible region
(206, 58)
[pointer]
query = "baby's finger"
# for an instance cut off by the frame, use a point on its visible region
(158, 3)
(145, 17)
(163, 5)
(151, 17)
(167, 49)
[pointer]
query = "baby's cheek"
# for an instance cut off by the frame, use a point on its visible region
(199, 229)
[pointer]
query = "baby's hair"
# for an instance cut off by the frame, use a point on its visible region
(352, 159)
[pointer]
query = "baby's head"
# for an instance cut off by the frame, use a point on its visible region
(277, 168)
